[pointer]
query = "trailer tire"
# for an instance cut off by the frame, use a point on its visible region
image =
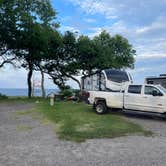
(101, 107)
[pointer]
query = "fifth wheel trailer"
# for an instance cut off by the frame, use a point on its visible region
(111, 80)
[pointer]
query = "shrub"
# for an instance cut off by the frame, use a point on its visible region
(66, 93)
(76, 92)
(3, 96)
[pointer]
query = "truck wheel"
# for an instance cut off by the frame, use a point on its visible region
(101, 107)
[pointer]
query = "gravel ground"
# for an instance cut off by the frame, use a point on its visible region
(26, 142)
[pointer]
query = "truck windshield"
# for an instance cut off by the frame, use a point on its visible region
(162, 88)
(116, 75)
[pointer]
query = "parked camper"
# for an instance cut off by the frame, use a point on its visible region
(107, 80)
(161, 80)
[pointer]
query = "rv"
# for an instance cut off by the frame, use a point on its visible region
(106, 80)
(161, 80)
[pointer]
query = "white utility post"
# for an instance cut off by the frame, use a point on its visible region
(51, 99)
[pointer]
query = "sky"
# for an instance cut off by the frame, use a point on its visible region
(142, 22)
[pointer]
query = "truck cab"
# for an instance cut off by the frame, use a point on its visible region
(146, 97)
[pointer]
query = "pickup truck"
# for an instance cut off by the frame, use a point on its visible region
(146, 98)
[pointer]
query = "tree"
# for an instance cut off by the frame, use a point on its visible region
(62, 64)
(35, 47)
(36, 29)
(28, 32)
(103, 52)
(7, 29)
(87, 55)
(114, 52)
(27, 24)
(123, 52)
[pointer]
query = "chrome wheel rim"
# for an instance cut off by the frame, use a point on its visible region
(99, 109)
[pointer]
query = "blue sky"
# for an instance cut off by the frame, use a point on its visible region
(142, 22)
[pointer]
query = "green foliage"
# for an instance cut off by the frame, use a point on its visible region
(62, 63)
(87, 55)
(76, 92)
(113, 52)
(27, 26)
(87, 58)
(28, 32)
(3, 96)
(78, 122)
(66, 93)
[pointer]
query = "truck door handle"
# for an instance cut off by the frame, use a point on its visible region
(145, 97)
(126, 95)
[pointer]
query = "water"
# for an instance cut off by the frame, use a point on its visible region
(24, 92)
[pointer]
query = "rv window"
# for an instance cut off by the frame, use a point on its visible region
(135, 89)
(150, 82)
(117, 75)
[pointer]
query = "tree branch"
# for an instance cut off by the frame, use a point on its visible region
(8, 61)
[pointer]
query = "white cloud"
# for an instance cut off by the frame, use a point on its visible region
(149, 41)
(133, 10)
(142, 22)
(69, 28)
(89, 20)
(96, 6)
(140, 70)
(147, 69)
(158, 26)
(150, 55)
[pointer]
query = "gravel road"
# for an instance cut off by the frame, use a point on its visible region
(24, 141)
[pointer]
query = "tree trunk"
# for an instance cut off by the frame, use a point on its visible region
(77, 81)
(33, 88)
(30, 72)
(42, 84)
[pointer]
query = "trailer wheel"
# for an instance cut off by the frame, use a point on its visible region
(101, 107)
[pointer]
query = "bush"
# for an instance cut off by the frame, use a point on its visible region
(76, 92)
(66, 93)
(3, 96)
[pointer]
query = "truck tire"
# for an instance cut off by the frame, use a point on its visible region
(101, 107)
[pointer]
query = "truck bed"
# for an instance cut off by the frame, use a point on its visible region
(113, 99)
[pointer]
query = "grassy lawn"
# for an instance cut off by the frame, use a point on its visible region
(78, 122)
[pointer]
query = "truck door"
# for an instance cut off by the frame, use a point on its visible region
(133, 97)
(153, 102)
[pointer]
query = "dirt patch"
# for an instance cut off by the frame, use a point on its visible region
(15, 106)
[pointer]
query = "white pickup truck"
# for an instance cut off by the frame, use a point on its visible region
(147, 98)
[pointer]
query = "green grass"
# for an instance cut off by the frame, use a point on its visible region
(78, 122)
